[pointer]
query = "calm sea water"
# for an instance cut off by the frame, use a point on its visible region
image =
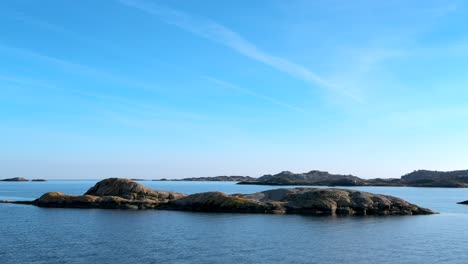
(39, 235)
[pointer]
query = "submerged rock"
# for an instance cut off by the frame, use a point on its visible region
(117, 193)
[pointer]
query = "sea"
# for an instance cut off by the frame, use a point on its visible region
(29, 234)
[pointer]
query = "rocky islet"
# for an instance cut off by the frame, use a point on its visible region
(116, 193)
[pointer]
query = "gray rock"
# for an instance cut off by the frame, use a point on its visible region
(311, 201)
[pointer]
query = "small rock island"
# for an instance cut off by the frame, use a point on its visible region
(16, 179)
(216, 178)
(116, 193)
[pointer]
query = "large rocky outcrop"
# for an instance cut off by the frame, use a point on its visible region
(112, 193)
(117, 193)
(129, 189)
(310, 201)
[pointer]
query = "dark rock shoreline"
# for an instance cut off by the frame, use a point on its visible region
(115, 193)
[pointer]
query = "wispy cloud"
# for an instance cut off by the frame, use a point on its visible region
(77, 68)
(81, 69)
(253, 93)
(235, 87)
(123, 104)
(216, 32)
(441, 11)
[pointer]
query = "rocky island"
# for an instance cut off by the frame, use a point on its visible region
(16, 179)
(317, 178)
(420, 178)
(115, 193)
(216, 178)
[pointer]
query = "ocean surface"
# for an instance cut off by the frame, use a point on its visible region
(29, 234)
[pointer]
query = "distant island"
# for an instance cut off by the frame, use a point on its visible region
(115, 193)
(419, 178)
(16, 179)
(215, 178)
(21, 179)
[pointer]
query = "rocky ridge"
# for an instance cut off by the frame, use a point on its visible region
(421, 178)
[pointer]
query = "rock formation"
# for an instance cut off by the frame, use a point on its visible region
(112, 193)
(117, 193)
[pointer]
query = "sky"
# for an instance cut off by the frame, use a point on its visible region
(173, 89)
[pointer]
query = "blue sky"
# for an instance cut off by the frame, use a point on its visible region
(152, 89)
